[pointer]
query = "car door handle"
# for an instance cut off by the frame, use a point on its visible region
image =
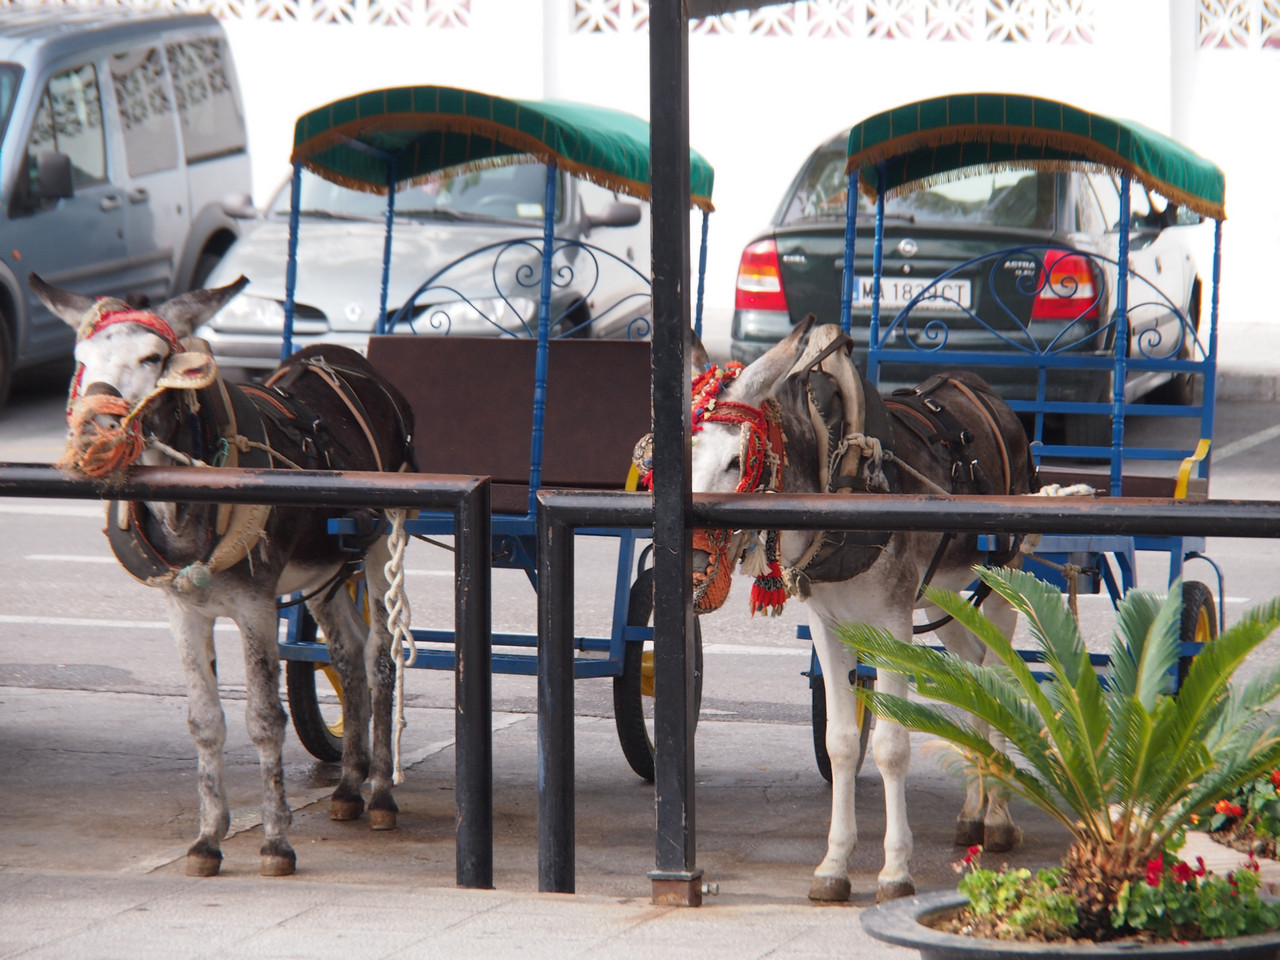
(139, 195)
(111, 201)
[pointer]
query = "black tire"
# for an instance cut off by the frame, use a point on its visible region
(631, 705)
(1199, 621)
(818, 691)
(321, 737)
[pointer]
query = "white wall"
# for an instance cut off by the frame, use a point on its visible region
(760, 103)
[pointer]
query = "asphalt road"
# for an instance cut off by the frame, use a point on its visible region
(72, 619)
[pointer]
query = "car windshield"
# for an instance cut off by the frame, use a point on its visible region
(10, 74)
(515, 193)
(1007, 198)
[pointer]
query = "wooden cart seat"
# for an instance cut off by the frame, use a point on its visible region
(472, 400)
(1130, 485)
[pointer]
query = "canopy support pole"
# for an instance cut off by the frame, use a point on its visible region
(675, 877)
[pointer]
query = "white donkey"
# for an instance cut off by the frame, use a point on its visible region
(145, 392)
(800, 419)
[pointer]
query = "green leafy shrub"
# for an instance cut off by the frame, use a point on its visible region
(1123, 766)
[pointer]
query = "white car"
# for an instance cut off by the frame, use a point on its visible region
(481, 232)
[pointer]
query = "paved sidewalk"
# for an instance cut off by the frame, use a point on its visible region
(92, 839)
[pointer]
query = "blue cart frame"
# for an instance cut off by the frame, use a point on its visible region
(938, 139)
(380, 140)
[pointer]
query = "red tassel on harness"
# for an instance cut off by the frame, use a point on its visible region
(769, 592)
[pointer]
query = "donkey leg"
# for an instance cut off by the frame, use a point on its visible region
(193, 632)
(891, 746)
(969, 822)
(382, 677)
(265, 720)
(344, 631)
(999, 832)
(831, 879)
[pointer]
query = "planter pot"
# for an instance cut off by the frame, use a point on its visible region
(905, 923)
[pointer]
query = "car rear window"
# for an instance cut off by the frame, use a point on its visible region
(514, 192)
(1007, 198)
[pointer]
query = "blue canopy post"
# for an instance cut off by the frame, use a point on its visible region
(544, 334)
(291, 264)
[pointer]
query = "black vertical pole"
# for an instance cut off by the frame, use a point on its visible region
(675, 878)
(473, 691)
(555, 706)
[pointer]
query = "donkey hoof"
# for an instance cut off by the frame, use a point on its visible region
(969, 833)
(203, 864)
(382, 819)
(1002, 837)
(345, 808)
(278, 859)
(829, 890)
(895, 890)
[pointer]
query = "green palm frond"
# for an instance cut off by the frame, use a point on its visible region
(1075, 747)
(1076, 719)
(1134, 617)
(977, 750)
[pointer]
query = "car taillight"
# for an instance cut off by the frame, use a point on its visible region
(1071, 291)
(760, 279)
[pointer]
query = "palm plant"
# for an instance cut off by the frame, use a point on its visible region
(1122, 764)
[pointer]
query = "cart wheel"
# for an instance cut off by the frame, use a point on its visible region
(318, 725)
(866, 720)
(633, 689)
(1199, 620)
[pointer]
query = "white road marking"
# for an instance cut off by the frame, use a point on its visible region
(748, 650)
(1246, 443)
(85, 558)
(109, 624)
(70, 558)
(97, 511)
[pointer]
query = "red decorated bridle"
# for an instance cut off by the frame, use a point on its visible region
(763, 454)
(94, 450)
(108, 312)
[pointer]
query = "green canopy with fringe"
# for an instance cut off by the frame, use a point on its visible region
(430, 129)
(930, 140)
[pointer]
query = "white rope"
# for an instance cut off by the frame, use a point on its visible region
(403, 650)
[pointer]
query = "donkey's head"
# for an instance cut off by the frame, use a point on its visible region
(737, 447)
(126, 357)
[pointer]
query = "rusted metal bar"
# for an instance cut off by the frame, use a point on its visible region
(1124, 516)
(561, 512)
(466, 497)
(353, 488)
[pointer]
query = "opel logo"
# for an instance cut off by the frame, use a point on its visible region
(908, 247)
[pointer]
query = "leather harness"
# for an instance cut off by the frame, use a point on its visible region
(842, 555)
(229, 423)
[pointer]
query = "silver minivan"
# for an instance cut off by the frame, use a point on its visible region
(122, 147)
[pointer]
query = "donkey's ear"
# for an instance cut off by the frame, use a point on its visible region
(698, 359)
(186, 312)
(757, 381)
(67, 305)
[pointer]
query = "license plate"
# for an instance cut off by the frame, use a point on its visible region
(896, 292)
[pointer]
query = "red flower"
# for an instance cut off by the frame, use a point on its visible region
(1200, 870)
(1228, 808)
(1182, 872)
(974, 852)
(1155, 869)
(1252, 864)
(1275, 779)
